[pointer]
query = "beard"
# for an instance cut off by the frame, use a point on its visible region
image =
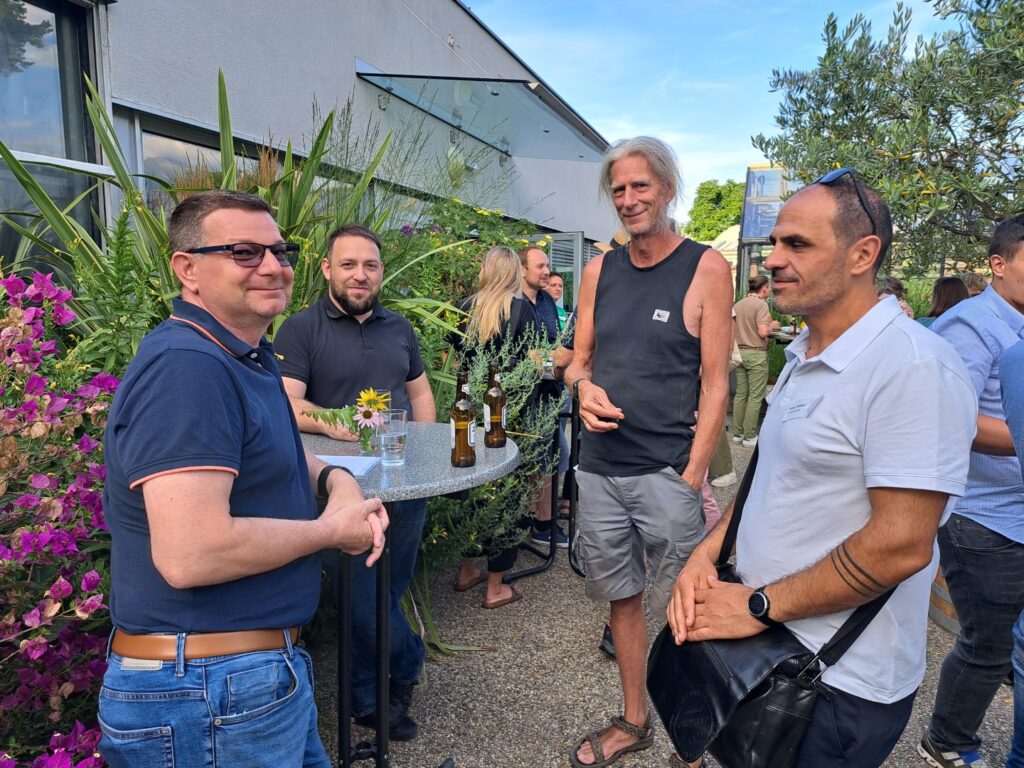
(349, 305)
(811, 300)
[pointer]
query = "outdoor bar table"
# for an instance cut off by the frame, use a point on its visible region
(427, 471)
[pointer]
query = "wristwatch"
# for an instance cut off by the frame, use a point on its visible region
(576, 386)
(759, 606)
(321, 479)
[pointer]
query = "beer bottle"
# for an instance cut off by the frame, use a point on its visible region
(463, 422)
(494, 410)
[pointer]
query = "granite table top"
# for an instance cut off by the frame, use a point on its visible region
(428, 469)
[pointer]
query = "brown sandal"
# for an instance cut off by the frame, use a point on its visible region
(644, 738)
(480, 578)
(515, 597)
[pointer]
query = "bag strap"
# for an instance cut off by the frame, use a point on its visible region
(851, 629)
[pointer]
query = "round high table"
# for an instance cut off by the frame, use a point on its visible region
(427, 471)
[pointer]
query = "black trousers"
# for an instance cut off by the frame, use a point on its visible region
(847, 731)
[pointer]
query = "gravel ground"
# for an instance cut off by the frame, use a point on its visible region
(538, 682)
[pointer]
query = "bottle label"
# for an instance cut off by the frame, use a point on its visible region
(497, 377)
(452, 422)
(472, 434)
(465, 388)
(504, 411)
(487, 417)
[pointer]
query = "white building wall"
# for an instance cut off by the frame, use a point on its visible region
(278, 57)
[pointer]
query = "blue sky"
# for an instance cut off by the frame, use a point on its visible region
(693, 72)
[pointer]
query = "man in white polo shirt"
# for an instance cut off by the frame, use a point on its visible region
(866, 438)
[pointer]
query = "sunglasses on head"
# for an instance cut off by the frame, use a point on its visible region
(833, 176)
(250, 255)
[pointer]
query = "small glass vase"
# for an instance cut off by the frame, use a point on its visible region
(368, 441)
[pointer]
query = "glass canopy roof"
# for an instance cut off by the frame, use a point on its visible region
(519, 118)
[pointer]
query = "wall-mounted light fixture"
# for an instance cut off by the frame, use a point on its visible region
(383, 99)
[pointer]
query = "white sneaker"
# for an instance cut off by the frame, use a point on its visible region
(737, 439)
(750, 442)
(724, 481)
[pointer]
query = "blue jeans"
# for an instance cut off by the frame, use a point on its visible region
(407, 649)
(983, 570)
(252, 709)
(1016, 757)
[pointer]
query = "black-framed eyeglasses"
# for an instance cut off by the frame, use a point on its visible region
(837, 174)
(250, 255)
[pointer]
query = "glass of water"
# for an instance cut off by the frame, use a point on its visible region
(393, 430)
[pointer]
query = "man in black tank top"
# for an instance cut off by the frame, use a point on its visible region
(653, 336)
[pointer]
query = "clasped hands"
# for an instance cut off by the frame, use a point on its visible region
(357, 527)
(704, 608)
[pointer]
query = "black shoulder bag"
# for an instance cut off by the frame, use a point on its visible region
(748, 702)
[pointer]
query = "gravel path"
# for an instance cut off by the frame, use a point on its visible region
(539, 682)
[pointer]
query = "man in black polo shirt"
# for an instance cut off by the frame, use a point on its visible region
(346, 343)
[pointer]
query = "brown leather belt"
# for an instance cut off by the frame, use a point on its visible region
(200, 646)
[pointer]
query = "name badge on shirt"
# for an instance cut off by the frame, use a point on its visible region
(801, 409)
(661, 315)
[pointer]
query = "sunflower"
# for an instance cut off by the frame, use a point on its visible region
(373, 400)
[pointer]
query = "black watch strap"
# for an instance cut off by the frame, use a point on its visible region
(321, 479)
(576, 386)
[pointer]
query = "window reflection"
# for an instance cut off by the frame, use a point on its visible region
(31, 105)
(182, 164)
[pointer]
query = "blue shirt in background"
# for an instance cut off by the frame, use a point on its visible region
(547, 316)
(1011, 377)
(981, 329)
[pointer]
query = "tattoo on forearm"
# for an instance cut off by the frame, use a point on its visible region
(856, 577)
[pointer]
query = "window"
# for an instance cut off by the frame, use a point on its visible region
(42, 113)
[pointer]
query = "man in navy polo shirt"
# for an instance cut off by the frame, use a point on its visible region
(209, 497)
(346, 343)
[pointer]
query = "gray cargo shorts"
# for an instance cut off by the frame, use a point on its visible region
(622, 519)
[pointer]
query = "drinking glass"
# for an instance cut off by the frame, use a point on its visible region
(393, 431)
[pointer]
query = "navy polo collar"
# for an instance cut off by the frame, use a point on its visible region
(378, 311)
(206, 324)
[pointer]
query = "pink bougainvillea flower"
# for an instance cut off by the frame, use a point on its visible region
(35, 385)
(42, 287)
(90, 581)
(27, 501)
(15, 287)
(33, 648)
(61, 588)
(106, 382)
(43, 482)
(63, 316)
(86, 608)
(86, 444)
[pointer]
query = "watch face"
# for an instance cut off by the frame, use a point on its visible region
(757, 605)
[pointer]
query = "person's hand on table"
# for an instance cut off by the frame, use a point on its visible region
(774, 326)
(597, 412)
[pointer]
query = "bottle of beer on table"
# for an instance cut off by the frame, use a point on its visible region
(463, 421)
(494, 410)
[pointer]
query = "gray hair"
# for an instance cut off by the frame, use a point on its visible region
(656, 152)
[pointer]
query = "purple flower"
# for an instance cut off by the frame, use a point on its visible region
(90, 581)
(34, 648)
(435, 228)
(62, 315)
(86, 444)
(43, 482)
(27, 501)
(35, 385)
(406, 230)
(88, 390)
(86, 608)
(15, 287)
(106, 382)
(61, 588)
(42, 287)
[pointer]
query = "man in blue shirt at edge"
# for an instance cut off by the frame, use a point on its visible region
(209, 497)
(982, 545)
(1011, 379)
